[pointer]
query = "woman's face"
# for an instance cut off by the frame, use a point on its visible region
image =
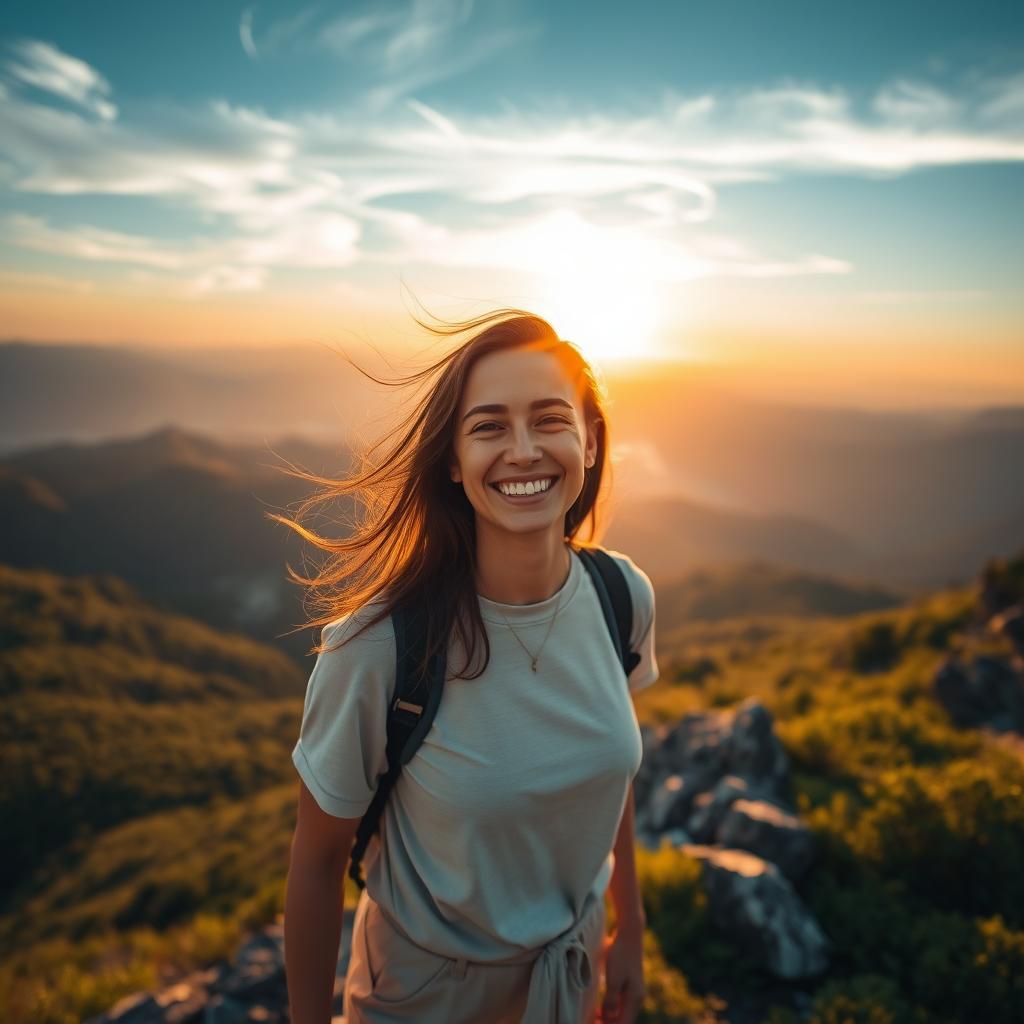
(539, 434)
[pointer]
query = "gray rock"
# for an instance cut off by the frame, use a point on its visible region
(223, 1009)
(258, 967)
(710, 806)
(987, 692)
(669, 804)
(1010, 624)
(754, 749)
(137, 1008)
(754, 903)
(698, 742)
(770, 832)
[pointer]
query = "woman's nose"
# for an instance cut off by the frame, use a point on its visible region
(523, 445)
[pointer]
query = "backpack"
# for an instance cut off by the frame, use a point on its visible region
(409, 720)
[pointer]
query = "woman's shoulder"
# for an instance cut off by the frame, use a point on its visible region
(639, 582)
(357, 628)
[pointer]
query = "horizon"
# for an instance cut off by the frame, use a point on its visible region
(920, 396)
(833, 219)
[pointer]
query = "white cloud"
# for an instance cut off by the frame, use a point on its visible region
(330, 190)
(305, 241)
(90, 243)
(396, 35)
(916, 103)
(45, 67)
(245, 34)
(227, 279)
(393, 47)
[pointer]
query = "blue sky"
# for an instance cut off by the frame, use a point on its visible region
(725, 169)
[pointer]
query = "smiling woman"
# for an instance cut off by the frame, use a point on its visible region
(485, 890)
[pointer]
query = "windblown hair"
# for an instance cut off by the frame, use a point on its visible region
(417, 531)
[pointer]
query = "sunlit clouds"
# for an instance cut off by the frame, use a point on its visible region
(630, 201)
(44, 67)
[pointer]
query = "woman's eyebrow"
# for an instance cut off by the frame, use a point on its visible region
(540, 403)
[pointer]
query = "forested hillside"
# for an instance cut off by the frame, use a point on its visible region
(149, 800)
(115, 710)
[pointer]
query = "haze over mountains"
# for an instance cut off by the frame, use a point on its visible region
(160, 469)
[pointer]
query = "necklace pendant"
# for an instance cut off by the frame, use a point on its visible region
(533, 664)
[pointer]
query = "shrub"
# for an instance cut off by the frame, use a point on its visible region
(667, 995)
(954, 835)
(857, 739)
(862, 999)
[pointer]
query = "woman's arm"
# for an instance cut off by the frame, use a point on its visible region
(314, 901)
(625, 890)
(624, 951)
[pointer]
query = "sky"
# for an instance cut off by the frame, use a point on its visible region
(828, 196)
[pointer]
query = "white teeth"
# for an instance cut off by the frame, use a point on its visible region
(528, 488)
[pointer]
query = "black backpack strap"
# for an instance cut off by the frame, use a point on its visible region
(616, 601)
(413, 706)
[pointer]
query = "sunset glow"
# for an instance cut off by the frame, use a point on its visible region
(716, 199)
(600, 288)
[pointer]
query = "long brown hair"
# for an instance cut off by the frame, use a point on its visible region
(418, 531)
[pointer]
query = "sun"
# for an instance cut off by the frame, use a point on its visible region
(597, 288)
(608, 319)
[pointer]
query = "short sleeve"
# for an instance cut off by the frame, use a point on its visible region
(342, 746)
(645, 672)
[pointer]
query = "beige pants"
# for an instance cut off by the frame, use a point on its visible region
(392, 979)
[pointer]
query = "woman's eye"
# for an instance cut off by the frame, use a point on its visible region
(491, 423)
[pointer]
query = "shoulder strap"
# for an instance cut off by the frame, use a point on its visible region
(616, 601)
(413, 706)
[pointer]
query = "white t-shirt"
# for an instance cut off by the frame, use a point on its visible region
(505, 817)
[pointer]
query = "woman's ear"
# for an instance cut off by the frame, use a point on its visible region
(590, 452)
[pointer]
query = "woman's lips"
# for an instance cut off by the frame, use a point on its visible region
(527, 499)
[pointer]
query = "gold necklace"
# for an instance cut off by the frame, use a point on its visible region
(534, 657)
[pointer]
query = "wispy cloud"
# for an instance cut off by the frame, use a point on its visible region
(396, 47)
(90, 243)
(44, 66)
(923, 297)
(245, 34)
(21, 280)
(507, 191)
(277, 35)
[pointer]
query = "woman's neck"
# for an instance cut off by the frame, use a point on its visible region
(521, 569)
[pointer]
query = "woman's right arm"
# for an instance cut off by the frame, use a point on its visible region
(314, 902)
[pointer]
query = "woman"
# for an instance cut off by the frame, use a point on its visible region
(484, 897)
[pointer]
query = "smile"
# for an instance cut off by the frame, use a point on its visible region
(524, 498)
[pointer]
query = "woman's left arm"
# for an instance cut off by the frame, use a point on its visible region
(624, 961)
(629, 909)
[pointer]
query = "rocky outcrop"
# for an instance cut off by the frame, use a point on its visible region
(986, 692)
(251, 987)
(752, 900)
(716, 786)
(1010, 624)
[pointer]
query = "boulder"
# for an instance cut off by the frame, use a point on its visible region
(668, 806)
(251, 987)
(710, 807)
(987, 692)
(753, 903)
(1010, 623)
(773, 834)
